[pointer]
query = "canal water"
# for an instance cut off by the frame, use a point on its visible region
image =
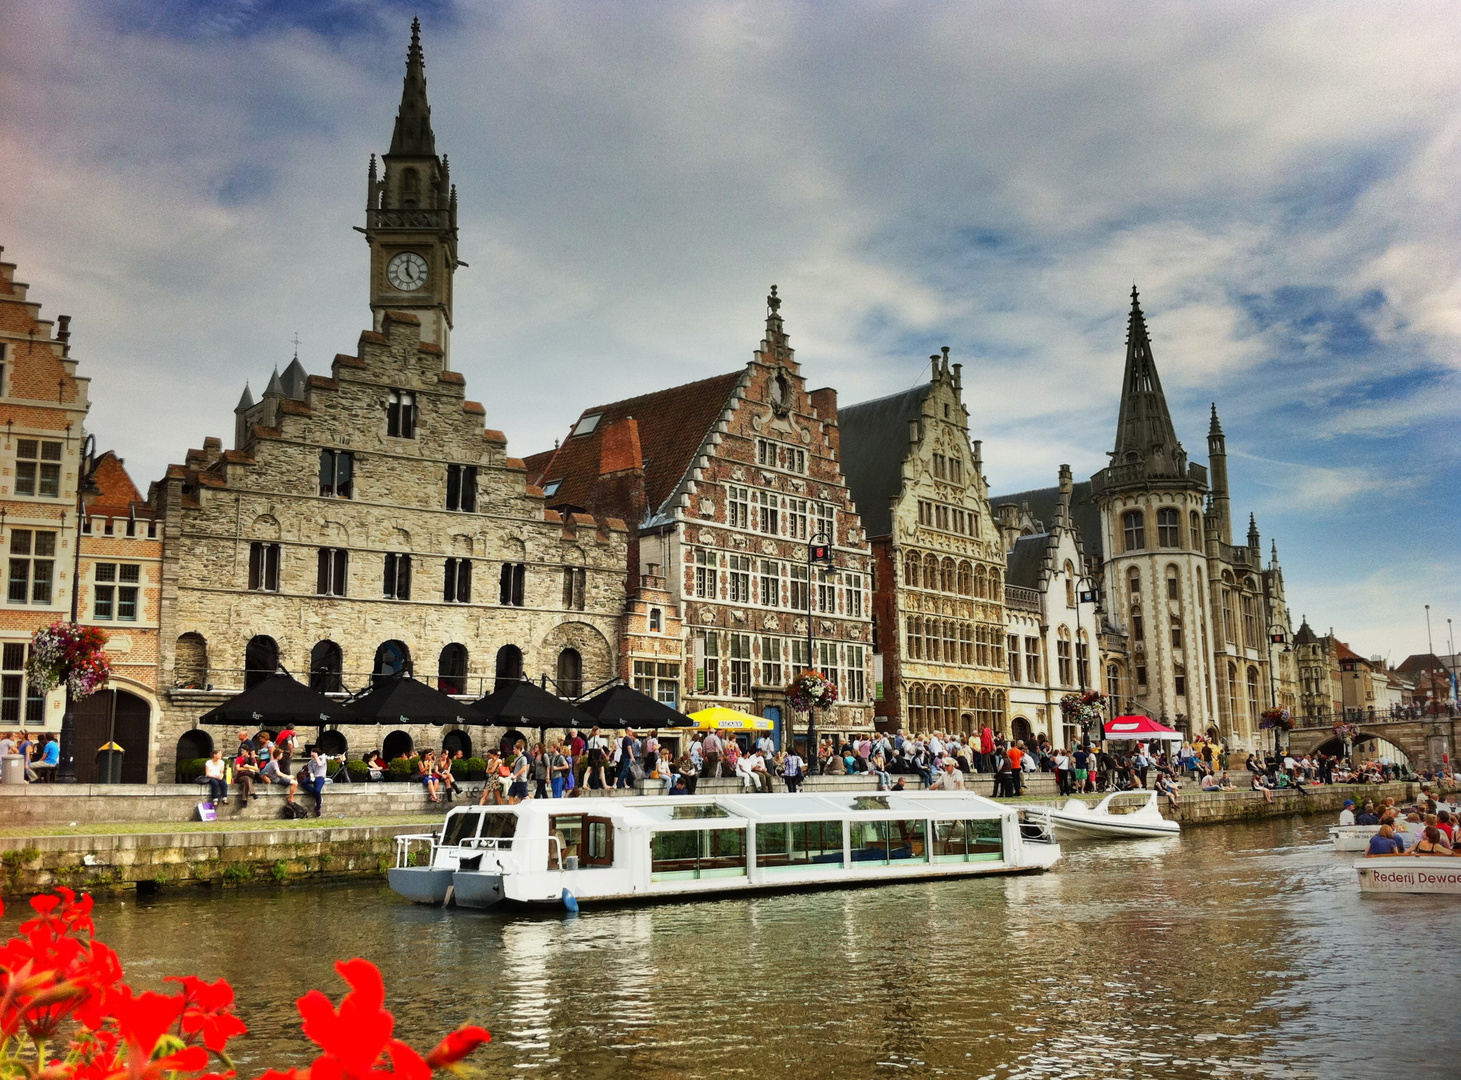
(1236, 951)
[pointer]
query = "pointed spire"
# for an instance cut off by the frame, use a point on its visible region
(1214, 426)
(295, 379)
(1253, 537)
(413, 136)
(275, 386)
(246, 402)
(1274, 544)
(1144, 432)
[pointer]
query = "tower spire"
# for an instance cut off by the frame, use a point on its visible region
(413, 136)
(1144, 432)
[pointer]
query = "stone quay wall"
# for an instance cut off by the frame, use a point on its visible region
(149, 862)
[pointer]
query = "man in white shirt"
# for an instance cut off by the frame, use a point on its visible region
(1346, 816)
(745, 772)
(950, 779)
(766, 747)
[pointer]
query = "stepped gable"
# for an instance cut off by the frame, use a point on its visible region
(873, 469)
(672, 426)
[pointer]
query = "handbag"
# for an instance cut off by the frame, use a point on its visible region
(636, 770)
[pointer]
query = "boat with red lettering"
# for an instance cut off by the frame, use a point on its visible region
(1410, 874)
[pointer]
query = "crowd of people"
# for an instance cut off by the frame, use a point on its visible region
(1427, 828)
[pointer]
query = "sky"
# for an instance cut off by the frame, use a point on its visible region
(1279, 181)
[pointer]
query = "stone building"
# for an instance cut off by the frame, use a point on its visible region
(43, 404)
(1052, 621)
(938, 596)
(1189, 606)
(367, 522)
(727, 481)
(121, 592)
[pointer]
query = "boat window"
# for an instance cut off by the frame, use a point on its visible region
(697, 853)
(598, 842)
(870, 802)
(460, 827)
(568, 828)
(798, 843)
(968, 841)
(709, 810)
(500, 827)
(889, 841)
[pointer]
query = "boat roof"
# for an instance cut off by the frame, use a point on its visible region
(727, 811)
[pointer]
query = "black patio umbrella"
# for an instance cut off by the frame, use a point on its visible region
(278, 699)
(410, 701)
(529, 705)
(624, 706)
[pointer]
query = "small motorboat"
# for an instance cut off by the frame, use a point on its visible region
(1079, 820)
(1357, 837)
(1410, 874)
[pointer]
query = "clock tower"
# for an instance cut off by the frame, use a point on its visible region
(411, 216)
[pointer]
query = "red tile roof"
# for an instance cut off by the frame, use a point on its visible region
(117, 493)
(672, 425)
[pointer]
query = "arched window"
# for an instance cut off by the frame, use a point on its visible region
(1194, 527)
(451, 669)
(453, 741)
(995, 593)
(966, 645)
(915, 638)
(1138, 626)
(1069, 584)
(1233, 693)
(1169, 528)
(190, 662)
(193, 745)
(1113, 686)
(1133, 583)
(261, 659)
(948, 579)
(391, 658)
(410, 188)
(509, 667)
(1133, 524)
(981, 583)
(915, 707)
(912, 564)
(333, 743)
(930, 572)
(1253, 696)
(1176, 628)
(998, 708)
(966, 579)
(326, 665)
(570, 673)
(1174, 587)
(931, 640)
(1179, 680)
(984, 712)
(398, 744)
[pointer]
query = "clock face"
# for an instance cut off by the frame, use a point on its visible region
(407, 271)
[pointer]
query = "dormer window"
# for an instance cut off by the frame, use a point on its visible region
(401, 414)
(587, 424)
(551, 487)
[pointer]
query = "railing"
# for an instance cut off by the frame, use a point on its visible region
(1021, 598)
(1239, 556)
(1399, 714)
(407, 844)
(409, 218)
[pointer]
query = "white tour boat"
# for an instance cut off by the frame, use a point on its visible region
(565, 851)
(1357, 837)
(1410, 874)
(1077, 820)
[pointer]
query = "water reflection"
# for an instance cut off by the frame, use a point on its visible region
(1236, 952)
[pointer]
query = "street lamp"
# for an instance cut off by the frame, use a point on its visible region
(1277, 635)
(819, 550)
(1086, 593)
(85, 488)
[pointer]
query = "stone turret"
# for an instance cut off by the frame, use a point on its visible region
(1217, 458)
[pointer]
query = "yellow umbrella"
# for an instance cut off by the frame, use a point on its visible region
(719, 718)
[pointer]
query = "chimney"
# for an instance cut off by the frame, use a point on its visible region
(825, 402)
(619, 447)
(63, 328)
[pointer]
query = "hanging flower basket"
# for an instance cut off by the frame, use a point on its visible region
(1277, 719)
(1346, 731)
(811, 690)
(64, 653)
(1086, 709)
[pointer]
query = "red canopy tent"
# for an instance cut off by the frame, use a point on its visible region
(1139, 728)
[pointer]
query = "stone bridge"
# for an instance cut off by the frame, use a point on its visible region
(1425, 740)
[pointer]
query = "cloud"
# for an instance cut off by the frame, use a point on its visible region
(183, 179)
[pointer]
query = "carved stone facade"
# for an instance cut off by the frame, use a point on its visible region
(367, 522)
(736, 476)
(939, 598)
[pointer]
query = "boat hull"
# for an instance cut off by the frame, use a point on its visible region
(1076, 829)
(476, 889)
(420, 884)
(1419, 874)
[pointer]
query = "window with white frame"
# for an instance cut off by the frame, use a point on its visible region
(770, 583)
(38, 468)
(740, 665)
(799, 595)
(738, 507)
(114, 592)
(827, 595)
(853, 595)
(827, 521)
(854, 677)
(16, 691)
(659, 679)
(32, 566)
(739, 575)
(796, 519)
(766, 512)
(771, 662)
(707, 574)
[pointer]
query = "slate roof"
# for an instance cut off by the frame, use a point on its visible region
(672, 425)
(874, 447)
(1026, 561)
(1083, 511)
